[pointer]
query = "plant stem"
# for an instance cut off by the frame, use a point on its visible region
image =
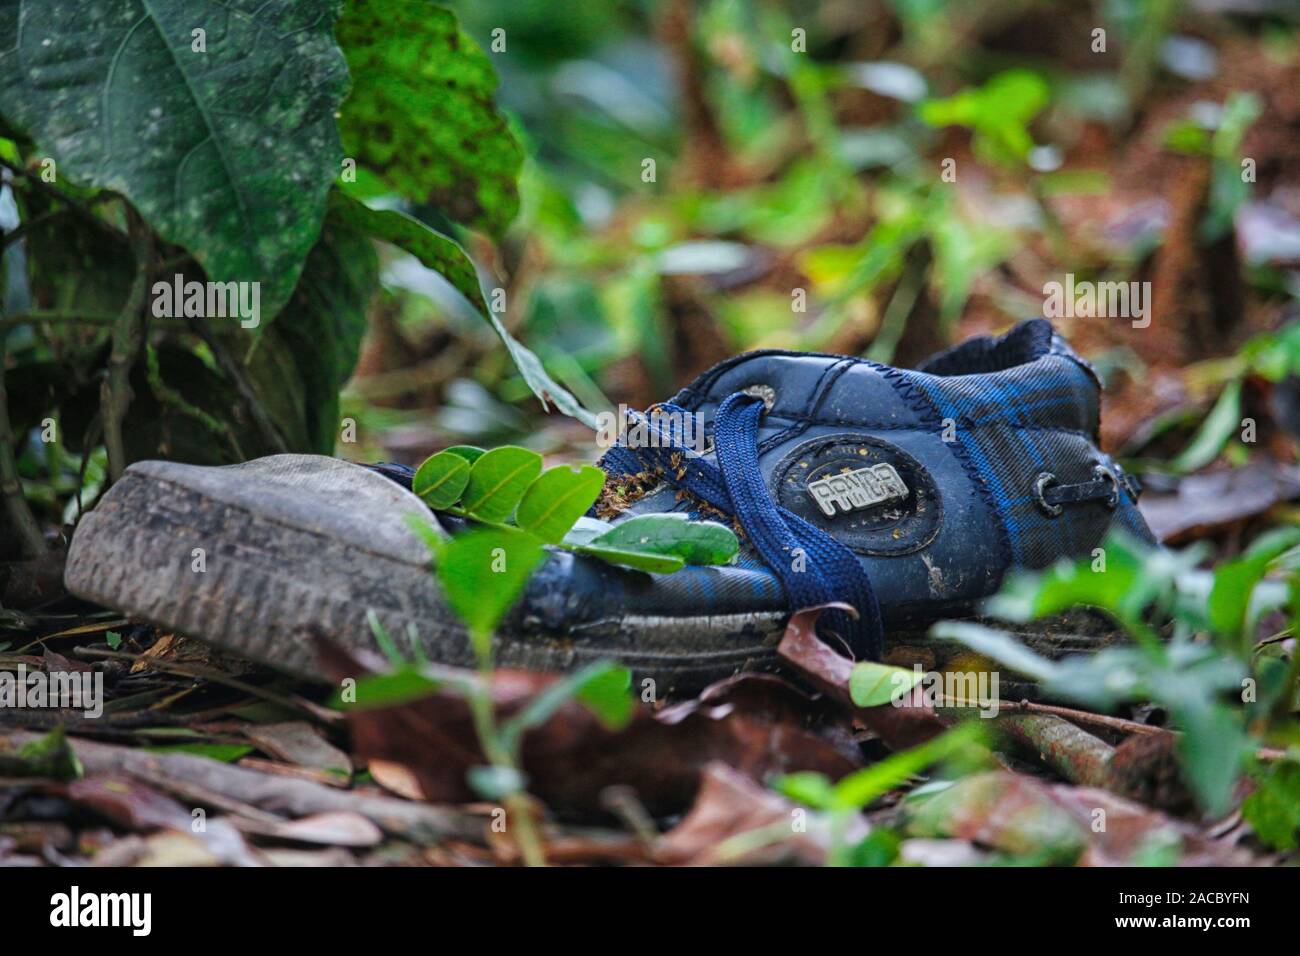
(128, 335)
(521, 812)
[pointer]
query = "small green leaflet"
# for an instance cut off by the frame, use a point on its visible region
(498, 480)
(484, 571)
(471, 453)
(872, 684)
(695, 542)
(557, 499)
(441, 479)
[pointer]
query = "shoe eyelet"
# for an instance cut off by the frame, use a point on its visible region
(765, 392)
(1102, 471)
(1041, 484)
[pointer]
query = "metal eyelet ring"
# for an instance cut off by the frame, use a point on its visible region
(766, 392)
(1041, 484)
(1103, 471)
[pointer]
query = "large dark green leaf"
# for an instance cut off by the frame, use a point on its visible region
(441, 254)
(421, 113)
(300, 361)
(228, 152)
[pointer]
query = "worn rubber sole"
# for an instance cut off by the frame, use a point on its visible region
(257, 558)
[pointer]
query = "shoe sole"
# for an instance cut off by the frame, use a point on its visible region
(175, 546)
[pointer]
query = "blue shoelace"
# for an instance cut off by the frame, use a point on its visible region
(813, 567)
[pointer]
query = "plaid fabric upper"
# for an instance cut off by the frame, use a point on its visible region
(1040, 414)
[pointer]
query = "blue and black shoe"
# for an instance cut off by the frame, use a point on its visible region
(904, 494)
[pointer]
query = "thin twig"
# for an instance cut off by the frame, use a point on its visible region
(128, 336)
(1083, 717)
(27, 225)
(200, 672)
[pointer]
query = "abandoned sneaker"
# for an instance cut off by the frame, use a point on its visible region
(906, 494)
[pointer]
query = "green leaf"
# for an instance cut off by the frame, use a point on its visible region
(471, 453)
(421, 113)
(301, 361)
(640, 560)
(51, 756)
(435, 251)
(1274, 355)
(860, 788)
(114, 92)
(1235, 581)
(442, 478)
(1213, 747)
(999, 645)
(1273, 809)
(114, 639)
(557, 499)
(1228, 187)
(585, 530)
(808, 787)
(999, 113)
(880, 847)
(498, 480)
(400, 686)
(607, 694)
(602, 687)
(1132, 576)
(863, 786)
(226, 753)
(1220, 425)
(695, 542)
(439, 253)
(872, 684)
(483, 572)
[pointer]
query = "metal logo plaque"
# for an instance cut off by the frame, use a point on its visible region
(858, 489)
